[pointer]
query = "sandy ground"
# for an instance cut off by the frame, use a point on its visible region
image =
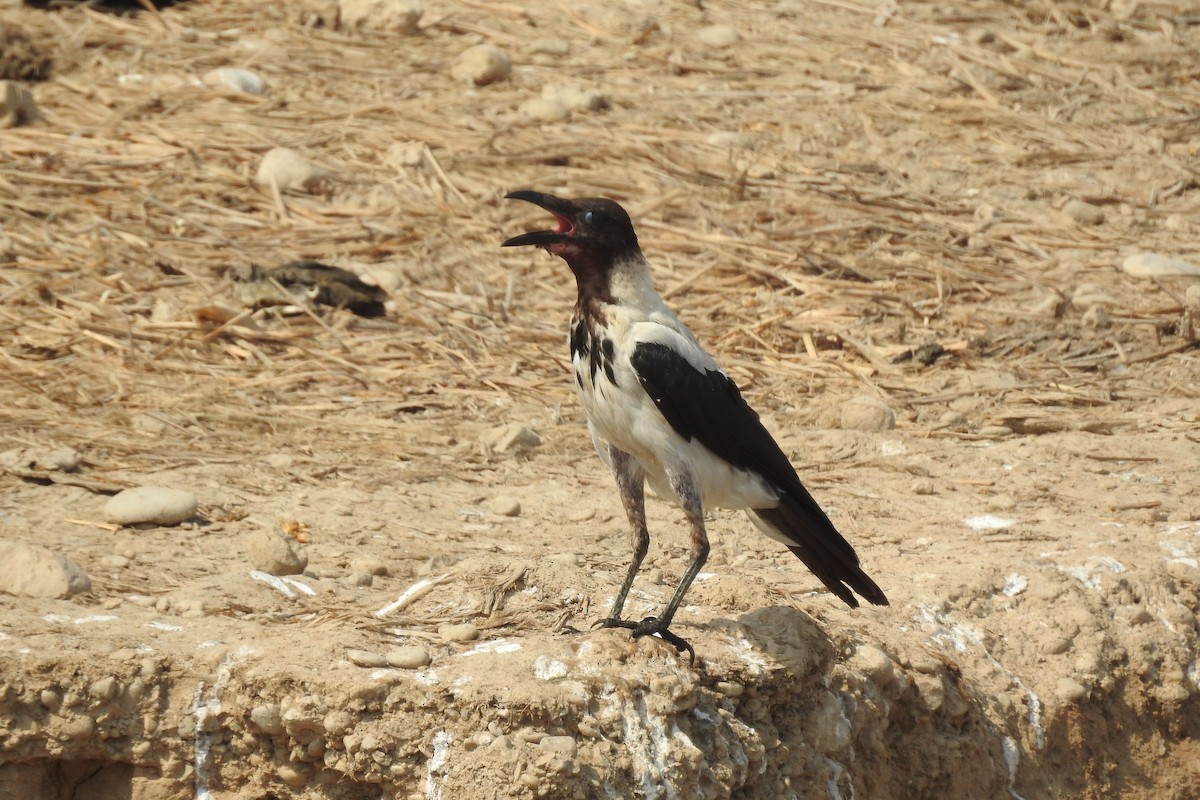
(914, 207)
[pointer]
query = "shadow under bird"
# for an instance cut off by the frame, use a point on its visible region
(660, 410)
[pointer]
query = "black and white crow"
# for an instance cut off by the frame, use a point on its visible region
(659, 409)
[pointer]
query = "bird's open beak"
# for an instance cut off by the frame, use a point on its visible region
(563, 211)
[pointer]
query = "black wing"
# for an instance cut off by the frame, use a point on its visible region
(707, 406)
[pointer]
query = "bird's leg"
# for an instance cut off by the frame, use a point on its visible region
(688, 493)
(631, 484)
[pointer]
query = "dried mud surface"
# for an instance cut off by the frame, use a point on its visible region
(923, 205)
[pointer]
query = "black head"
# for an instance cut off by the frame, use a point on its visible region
(592, 233)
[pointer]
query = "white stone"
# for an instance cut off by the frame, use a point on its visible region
(239, 80)
(576, 98)
(1147, 265)
(542, 109)
(155, 505)
(289, 170)
(718, 35)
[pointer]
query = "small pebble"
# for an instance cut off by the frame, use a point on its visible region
(289, 171)
(359, 579)
(558, 744)
(513, 437)
(366, 658)
(412, 656)
(393, 16)
(1096, 317)
(338, 723)
(542, 109)
(239, 80)
(576, 98)
(1084, 213)
(463, 632)
(867, 413)
(113, 561)
(995, 431)
(481, 65)
(922, 486)
(155, 505)
(718, 35)
(292, 776)
(279, 461)
(50, 698)
(105, 688)
(270, 551)
(1001, 502)
(1070, 691)
(952, 417)
(268, 719)
(504, 505)
(877, 665)
(548, 47)
(730, 688)
(81, 727)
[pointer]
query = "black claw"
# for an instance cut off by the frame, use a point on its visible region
(650, 626)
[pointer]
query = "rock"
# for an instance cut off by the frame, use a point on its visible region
(58, 459)
(105, 688)
(268, 719)
(366, 658)
(239, 80)
(866, 413)
(481, 65)
(542, 109)
(154, 505)
(731, 139)
(292, 775)
(718, 35)
(514, 437)
(575, 98)
(27, 570)
(548, 47)
(16, 105)
(558, 744)
(464, 632)
(1084, 213)
(1147, 265)
(393, 16)
(288, 170)
(114, 561)
(923, 486)
(504, 505)
(1070, 691)
(412, 656)
(270, 551)
(877, 665)
(338, 723)
(1001, 502)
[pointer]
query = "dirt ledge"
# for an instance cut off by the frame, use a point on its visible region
(905, 702)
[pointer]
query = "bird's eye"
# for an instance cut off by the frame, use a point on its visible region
(588, 216)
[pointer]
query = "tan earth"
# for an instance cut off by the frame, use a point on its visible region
(866, 210)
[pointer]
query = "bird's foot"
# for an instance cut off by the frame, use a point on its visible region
(650, 626)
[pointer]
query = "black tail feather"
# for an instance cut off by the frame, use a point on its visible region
(822, 549)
